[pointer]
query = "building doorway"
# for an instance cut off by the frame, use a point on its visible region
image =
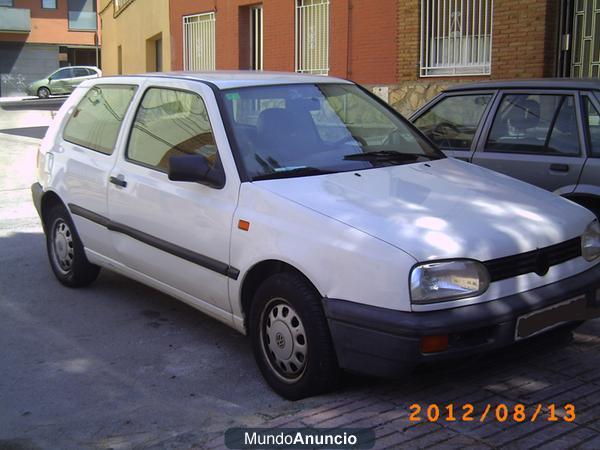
(579, 51)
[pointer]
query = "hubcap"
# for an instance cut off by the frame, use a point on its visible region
(62, 246)
(284, 340)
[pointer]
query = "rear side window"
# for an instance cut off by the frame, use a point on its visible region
(452, 123)
(535, 124)
(170, 123)
(96, 121)
(592, 117)
(80, 72)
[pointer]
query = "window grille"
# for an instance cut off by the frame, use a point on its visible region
(312, 36)
(199, 42)
(456, 37)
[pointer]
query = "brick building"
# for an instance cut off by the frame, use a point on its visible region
(407, 49)
(39, 36)
(348, 38)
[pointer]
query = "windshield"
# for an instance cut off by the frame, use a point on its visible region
(310, 129)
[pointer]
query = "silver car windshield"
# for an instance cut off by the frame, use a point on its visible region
(311, 129)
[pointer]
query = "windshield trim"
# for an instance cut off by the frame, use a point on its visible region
(234, 145)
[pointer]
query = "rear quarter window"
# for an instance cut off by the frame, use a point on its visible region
(97, 119)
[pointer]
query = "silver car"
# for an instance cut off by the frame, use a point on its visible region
(545, 132)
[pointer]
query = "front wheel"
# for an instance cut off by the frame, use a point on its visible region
(65, 250)
(43, 92)
(290, 338)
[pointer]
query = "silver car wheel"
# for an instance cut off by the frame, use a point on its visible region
(283, 339)
(62, 246)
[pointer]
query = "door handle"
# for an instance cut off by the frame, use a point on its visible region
(559, 167)
(119, 181)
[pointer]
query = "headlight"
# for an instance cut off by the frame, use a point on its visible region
(448, 280)
(590, 241)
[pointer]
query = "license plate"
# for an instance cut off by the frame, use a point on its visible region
(553, 316)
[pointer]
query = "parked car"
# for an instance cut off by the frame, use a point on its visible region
(307, 213)
(545, 132)
(63, 81)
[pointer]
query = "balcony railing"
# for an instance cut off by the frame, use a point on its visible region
(15, 20)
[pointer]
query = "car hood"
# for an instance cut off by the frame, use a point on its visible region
(441, 209)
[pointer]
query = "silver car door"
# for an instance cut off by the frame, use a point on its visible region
(535, 136)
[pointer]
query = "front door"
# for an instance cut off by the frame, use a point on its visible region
(579, 39)
(177, 233)
(535, 137)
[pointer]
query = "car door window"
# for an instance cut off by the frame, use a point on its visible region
(96, 121)
(452, 122)
(170, 123)
(535, 124)
(592, 117)
(62, 74)
(80, 72)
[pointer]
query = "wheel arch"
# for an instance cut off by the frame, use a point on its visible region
(259, 273)
(589, 201)
(49, 199)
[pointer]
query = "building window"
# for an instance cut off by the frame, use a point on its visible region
(312, 36)
(120, 4)
(6, 3)
(199, 42)
(49, 4)
(82, 15)
(456, 37)
(256, 38)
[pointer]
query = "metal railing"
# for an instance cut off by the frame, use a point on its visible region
(199, 42)
(586, 39)
(456, 37)
(312, 36)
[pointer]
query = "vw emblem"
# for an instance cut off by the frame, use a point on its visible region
(280, 340)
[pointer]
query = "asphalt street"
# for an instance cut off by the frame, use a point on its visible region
(119, 365)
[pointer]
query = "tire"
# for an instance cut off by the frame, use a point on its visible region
(290, 338)
(65, 250)
(43, 92)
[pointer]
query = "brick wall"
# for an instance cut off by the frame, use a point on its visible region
(523, 44)
(362, 36)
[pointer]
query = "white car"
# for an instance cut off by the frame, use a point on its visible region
(303, 211)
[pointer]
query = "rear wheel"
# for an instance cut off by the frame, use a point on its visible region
(43, 92)
(65, 250)
(290, 338)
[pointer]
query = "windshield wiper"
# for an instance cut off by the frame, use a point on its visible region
(388, 155)
(297, 172)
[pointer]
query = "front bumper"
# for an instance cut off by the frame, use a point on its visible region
(36, 194)
(385, 342)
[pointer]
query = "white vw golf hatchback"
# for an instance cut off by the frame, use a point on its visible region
(306, 213)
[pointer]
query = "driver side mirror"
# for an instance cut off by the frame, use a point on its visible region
(196, 168)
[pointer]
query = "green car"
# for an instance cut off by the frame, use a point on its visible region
(63, 81)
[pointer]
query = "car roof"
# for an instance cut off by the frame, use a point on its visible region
(227, 79)
(539, 83)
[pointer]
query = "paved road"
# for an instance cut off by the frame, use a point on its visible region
(119, 365)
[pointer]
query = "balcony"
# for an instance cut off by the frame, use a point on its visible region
(15, 20)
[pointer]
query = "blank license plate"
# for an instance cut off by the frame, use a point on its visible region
(545, 319)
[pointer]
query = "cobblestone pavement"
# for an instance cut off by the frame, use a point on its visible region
(556, 369)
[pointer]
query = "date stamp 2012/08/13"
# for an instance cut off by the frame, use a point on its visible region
(501, 412)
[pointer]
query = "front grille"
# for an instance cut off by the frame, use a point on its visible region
(538, 261)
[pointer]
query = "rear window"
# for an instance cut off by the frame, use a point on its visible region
(96, 121)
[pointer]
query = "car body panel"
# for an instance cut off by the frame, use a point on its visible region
(200, 217)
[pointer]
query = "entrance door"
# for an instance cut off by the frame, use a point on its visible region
(579, 50)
